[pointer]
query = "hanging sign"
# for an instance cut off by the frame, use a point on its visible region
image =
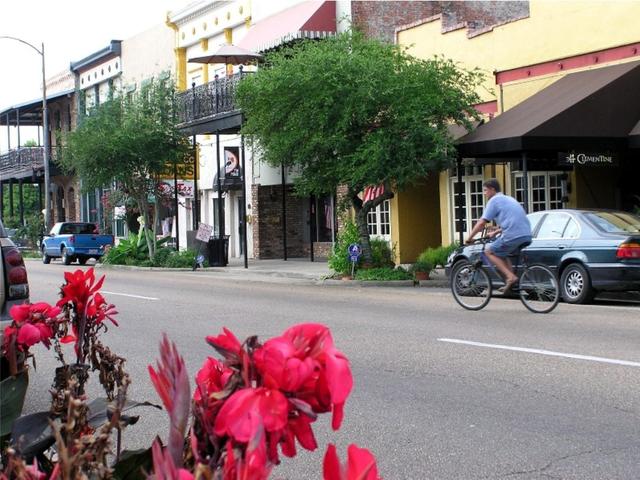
(204, 232)
(587, 159)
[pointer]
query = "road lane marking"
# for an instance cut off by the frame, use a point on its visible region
(129, 295)
(543, 352)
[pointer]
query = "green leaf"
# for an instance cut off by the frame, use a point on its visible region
(14, 390)
(100, 411)
(32, 434)
(133, 464)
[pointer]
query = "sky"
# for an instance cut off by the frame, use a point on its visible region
(70, 30)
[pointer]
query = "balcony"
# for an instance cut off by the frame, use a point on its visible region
(210, 107)
(22, 163)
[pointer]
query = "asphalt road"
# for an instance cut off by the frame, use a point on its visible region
(440, 393)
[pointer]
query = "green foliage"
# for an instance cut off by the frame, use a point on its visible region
(383, 274)
(132, 140)
(33, 229)
(30, 203)
(421, 266)
(182, 259)
(383, 255)
(339, 258)
(357, 112)
(437, 256)
(127, 252)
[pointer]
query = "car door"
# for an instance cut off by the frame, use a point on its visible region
(555, 235)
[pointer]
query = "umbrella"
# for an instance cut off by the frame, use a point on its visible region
(229, 55)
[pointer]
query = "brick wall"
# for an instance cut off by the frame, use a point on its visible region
(267, 222)
(379, 19)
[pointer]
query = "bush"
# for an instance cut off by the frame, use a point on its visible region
(437, 256)
(182, 259)
(162, 256)
(339, 257)
(383, 274)
(421, 266)
(383, 255)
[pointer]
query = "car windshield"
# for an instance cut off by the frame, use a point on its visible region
(615, 222)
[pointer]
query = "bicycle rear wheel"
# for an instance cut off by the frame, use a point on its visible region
(471, 286)
(538, 289)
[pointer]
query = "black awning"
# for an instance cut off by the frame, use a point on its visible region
(597, 107)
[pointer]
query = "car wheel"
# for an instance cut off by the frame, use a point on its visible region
(46, 259)
(575, 284)
(66, 258)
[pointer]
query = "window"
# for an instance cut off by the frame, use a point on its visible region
(467, 198)
(545, 190)
(379, 221)
(553, 226)
(534, 220)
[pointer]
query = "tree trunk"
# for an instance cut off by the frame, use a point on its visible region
(143, 204)
(362, 210)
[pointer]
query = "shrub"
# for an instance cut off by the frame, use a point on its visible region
(339, 258)
(437, 256)
(383, 255)
(421, 266)
(182, 259)
(383, 274)
(162, 256)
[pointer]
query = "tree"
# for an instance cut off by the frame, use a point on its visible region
(131, 141)
(355, 112)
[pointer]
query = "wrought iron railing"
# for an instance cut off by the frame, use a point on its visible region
(208, 100)
(21, 162)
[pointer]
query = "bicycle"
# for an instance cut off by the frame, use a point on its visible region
(471, 285)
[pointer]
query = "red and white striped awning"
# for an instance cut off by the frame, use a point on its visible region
(309, 19)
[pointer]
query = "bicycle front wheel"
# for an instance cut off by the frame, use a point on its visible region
(539, 290)
(471, 286)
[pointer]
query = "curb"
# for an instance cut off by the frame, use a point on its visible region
(391, 283)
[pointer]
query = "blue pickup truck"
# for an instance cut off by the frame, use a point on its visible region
(72, 241)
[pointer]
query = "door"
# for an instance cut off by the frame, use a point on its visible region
(556, 234)
(240, 210)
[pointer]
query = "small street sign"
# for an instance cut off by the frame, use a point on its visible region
(204, 232)
(355, 251)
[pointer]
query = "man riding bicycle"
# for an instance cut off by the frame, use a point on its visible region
(512, 223)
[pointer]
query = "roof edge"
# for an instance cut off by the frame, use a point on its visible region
(113, 49)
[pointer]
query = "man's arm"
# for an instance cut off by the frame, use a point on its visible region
(476, 229)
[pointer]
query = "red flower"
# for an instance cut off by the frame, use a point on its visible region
(163, 466)
(172, 384)
(361, 465)
(304, 361)
(227, 344)
(80, 286)
(211, 378)
(253, 467)
(32, 323)
(250, 410)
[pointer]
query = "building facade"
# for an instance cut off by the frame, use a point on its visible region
(523, 57)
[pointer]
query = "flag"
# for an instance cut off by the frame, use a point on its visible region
(371, 193)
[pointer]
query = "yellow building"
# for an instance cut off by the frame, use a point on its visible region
(522, 60)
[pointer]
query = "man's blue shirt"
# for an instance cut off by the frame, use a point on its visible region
(509, 215)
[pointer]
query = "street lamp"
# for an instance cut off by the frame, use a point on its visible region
(45, 128)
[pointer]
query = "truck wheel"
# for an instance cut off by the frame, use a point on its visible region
(66, 258)
(46, 259)
(82, 260)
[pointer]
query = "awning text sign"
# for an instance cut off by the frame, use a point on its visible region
(587, 159)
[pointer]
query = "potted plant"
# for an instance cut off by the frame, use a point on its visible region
(421, 270)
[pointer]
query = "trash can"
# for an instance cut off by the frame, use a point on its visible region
(213, 249)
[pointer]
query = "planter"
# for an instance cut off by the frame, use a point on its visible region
(421, 276)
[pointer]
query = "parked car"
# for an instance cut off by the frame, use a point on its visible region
(14, 286)
(589, 250)
(18, 241)
(72, 241)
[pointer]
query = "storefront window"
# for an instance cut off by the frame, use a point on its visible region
(466, 198)
(379, 221)
(545, 190)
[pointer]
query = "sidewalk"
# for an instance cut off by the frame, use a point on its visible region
(294, 270)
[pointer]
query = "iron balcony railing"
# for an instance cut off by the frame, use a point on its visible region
(21, 162)
(208, 100)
